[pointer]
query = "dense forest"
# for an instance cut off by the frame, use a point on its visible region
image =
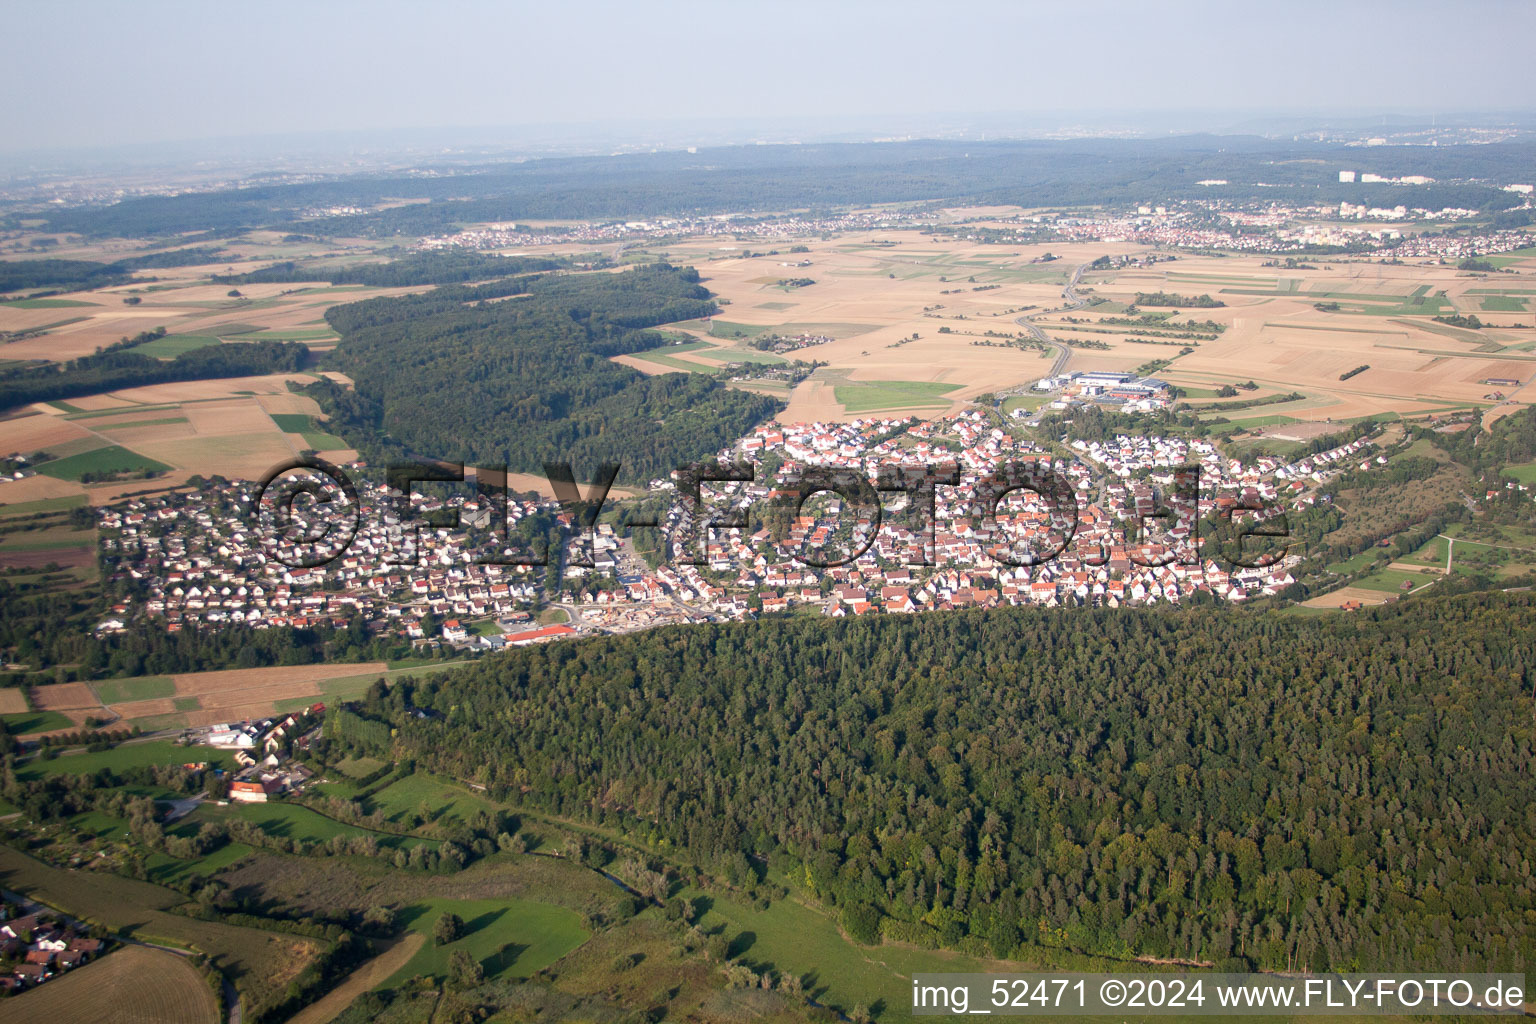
(410, 269)
(118, 366)
(76, 275)
(1029, 173)
(451, 375)
(1350, 793)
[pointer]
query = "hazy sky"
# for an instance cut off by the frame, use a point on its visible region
(107, 73)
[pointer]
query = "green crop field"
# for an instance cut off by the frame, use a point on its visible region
(1525, 474)
(26, 508)
(860, 396)
(46, 303)
(313, 433)
(743, 332)
(143, 423)
(293, 422)
(510, 937)
(1503, 304)
(126, 755)
(95, 414)
(108, 459)
(313, 334)
(24, 722)
(116, 691)
(173, 345)
(1392, 580)
(742, 355)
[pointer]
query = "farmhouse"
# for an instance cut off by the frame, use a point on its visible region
(252, 791)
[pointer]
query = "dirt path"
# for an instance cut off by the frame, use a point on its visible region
(359, 981)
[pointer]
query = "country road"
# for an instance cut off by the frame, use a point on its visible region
(1063, 352)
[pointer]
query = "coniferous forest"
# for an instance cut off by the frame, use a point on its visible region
(519, 372)
(1265, 790)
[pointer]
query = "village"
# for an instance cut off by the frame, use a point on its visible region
(37, 944)
(200, 558)
(261, 752)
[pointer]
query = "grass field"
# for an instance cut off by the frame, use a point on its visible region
(134, 983)
(446, 801)
(27, 508)
(1392, 580)
(108, 459)
(511, 938)
(1354, 563)
(1525, 474)
(1029, 403)
(743, 332)
(138, 424)
(292, 821)
(46, 303)
(350, 687)
(115, 691)
(126, 755)
(357, 767)
(168, 870)
(860, 396)
(173, 345)
(35, 721)
(311, 334)
(293, 422)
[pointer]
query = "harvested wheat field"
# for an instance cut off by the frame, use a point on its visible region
(1286, 329)
(205, 698)
(13, 701)
(132, 985)
(227, 387)
(199, 684)
(37, 488)
(39, 431)
(871, 295)
(65, 697)
(1338, 598)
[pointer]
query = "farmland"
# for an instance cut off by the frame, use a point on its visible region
(251, 957)
(884, 299)
(128, 755)
(204, 698)
(133, 983)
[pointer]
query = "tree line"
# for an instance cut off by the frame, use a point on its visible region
(79, 275)
(410, 269)
(118, 366)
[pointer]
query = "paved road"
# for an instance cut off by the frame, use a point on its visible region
(1074, 301)
(184, 806)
